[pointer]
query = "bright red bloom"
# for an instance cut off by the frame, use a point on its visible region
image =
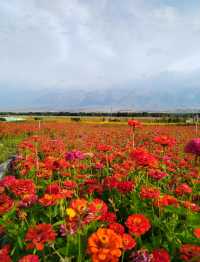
(7, 181)
(29, 258)
(109, 217)
(69, 184)
(128, 242)
(189, 252)
(97, 208)
(6, 204)
(149, 192)
(22, 187)
(197, 232)
(166, 200)
(164, 140)
(192, 206)
(183, 189)
(52, 189)
(160, 255)
(134, 123)
(138, 224)
(49, 199)
(38, 235)
(104, 148)
(125, 186)
(4, 254)
(144, 158)
(118, 228)
(157, 174)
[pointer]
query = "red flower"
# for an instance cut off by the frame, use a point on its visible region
(125, 186)
(128, 242)
(160, 255)
(138, 224)
(166, 200)
(183, 189)
(97, 208)
(109, 217)
(38, 235)
(118, 228)
(164, 140)
(4, 254)
(6, 204)
(190, 252)
(28, 200)
(49, 199)
(52, 189)
(149, 192)
(29, 258)
(144, 158)
(134, 123)
(197, 232)
(23, 186)
(104, 148)
(192, 206)
(157, 175)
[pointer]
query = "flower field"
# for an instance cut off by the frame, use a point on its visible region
(101, 193)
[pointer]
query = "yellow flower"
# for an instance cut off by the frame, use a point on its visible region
(71, 212)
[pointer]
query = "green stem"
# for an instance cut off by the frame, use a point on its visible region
(123, 256)
(79, 247)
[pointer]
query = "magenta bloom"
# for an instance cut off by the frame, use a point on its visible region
(193, 147)
(73, 155)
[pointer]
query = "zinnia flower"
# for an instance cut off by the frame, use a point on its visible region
(183, 189)
(118, 228)
(193, 146)
(29, 258)
(157, 174)
(4, 254)
(141, 255)
(144, 158)
(6, 204)
(148, 192)
(164, 140)
(197, 232)
(166, 200)
(134, 123)
(128, 242)
(160, 255)
(138, 224)
(22, 187)
(189, 252)
(105, 245)
(38, 235)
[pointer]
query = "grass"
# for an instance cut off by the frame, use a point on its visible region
(8, 146)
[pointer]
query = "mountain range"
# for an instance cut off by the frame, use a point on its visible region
(165, 93)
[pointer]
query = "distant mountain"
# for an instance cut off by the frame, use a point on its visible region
(165, 92)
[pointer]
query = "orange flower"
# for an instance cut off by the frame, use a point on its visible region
(79, 205)
(105, 246)
(197, 232)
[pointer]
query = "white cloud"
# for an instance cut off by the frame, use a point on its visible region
(92, 43)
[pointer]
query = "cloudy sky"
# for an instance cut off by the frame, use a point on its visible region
(96, 43)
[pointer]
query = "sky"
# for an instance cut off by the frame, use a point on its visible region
(96, 43)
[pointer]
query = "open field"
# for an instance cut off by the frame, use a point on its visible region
(93, 191)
